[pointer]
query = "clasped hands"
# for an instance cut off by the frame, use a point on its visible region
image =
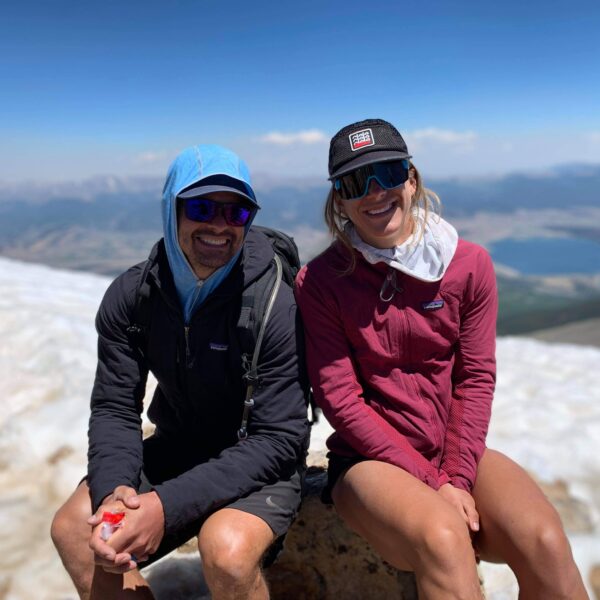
(139, 536)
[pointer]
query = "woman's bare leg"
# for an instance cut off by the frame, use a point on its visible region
(411, 526)
(521, 528)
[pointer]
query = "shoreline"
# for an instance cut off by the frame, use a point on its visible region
(580, 333)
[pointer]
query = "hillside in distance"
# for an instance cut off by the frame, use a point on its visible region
(106, 224)
(130, 207)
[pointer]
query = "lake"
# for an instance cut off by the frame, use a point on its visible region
(548, 256)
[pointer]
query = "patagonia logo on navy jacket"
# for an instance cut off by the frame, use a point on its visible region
(219, 347)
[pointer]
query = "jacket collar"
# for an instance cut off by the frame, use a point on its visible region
(254, 260)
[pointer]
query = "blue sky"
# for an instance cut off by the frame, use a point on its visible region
(119, 87)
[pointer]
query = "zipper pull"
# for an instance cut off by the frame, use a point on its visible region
(390, 286)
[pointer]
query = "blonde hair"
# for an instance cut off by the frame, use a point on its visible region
(424, 199)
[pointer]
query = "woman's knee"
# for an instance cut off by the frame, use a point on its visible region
(549, 543)
(544, 561)
(443, 542)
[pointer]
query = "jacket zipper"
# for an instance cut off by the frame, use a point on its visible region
(390, 287)
(186, 332)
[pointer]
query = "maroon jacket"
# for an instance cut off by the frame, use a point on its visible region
(410, 381)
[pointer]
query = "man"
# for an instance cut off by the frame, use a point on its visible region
(195, 476)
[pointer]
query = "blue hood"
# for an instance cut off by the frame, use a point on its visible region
(190, 167)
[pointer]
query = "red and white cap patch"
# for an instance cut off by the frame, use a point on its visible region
(360, 139)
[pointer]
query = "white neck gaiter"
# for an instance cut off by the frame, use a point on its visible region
(425, 257)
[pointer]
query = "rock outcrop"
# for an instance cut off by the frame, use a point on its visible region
(324, 560)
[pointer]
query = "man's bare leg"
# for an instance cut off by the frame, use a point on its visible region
(70, 534)
(232, 544)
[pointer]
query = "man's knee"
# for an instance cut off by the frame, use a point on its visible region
(59, 528)
(229, 554)
(231, 545)
(69, 526)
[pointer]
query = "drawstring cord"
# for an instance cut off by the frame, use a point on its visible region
(390, 286)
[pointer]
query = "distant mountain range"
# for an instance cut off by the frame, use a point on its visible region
(105, 224)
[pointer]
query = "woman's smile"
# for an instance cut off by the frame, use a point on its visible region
(383, 209)
(380, 217)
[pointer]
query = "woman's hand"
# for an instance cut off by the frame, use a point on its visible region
(463, 502)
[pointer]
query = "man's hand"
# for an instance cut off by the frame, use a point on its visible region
(122, 493)
(463, 502)
(104, 554)
(143, 528)
(139, 536)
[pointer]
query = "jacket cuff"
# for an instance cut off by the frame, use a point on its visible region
(177, 515)
(443, 478)
(458, 481)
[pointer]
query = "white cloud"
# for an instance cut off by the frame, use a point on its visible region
(437, 152)
(433, 141)
(593, 136)
(444, 136)
(308, 136)
(148, 158)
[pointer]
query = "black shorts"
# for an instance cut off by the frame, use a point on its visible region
(277, 504)
(336, 467)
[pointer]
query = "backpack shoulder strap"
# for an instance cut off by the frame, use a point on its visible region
(140, 316)
(285, 247)
(257, 305)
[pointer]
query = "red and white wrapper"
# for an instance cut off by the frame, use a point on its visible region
(111, 521)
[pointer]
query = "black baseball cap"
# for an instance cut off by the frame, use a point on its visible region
(363, 143)
(220, 183)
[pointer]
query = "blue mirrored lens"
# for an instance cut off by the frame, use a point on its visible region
(355, 185)
(204, 210)
(237, 214)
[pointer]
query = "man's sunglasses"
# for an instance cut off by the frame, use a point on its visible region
(355, 185)
(204, 210)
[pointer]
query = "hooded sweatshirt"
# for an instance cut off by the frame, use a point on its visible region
(190, 167)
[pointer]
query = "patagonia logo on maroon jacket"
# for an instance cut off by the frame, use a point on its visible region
(432, 305)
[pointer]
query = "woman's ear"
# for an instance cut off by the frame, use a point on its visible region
(412, 182)
(339, 206)
(335, 196)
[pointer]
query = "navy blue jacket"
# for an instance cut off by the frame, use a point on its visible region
(198, 402)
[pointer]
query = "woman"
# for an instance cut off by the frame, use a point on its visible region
(400, 319)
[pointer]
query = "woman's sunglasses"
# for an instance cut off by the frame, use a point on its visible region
(204, 210)
(355, 185)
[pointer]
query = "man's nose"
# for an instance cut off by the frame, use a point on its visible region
(219, 218)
